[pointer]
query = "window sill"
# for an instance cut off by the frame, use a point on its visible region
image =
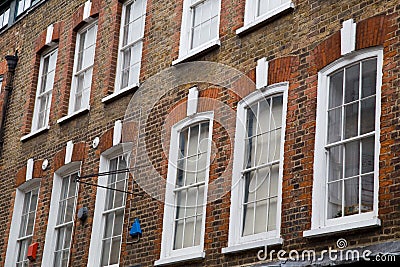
(197, 51)
(120, 93)
(264, 18)
(182, 258)
(342, 228)
(35, 133)
(72, 115)
(251, 245)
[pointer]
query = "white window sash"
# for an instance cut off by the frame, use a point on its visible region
(319, 201)
(123, 48)
(85, 102)
(39, 95)
(100, 212)
(52, 226)
(235, 238)
(167, 251)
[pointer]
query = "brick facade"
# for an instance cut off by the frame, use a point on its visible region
(297, 45)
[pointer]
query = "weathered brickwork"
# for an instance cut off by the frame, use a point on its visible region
(296, 44)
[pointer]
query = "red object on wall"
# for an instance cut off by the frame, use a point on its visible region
(32, 249)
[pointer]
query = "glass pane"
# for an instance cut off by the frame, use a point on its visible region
(119, 219)
(262, 7)
(61, 212)
(263, 116)
(119, 196)
(57, 258)
(183, 143)
(250, 187)
(198, 230)
(189, 233)
(193, 140)
(27, 200)
(200, 200)
(262, 150)
(274, 145)
(178, 234)
(203, 147)
(352, 83)
(367, 115)
(60, 238)
(248, 219)
(334, 125)
(70, 210)
(109, 225)
(91, 36)
(252, 121)
(272, 214)
(335, 199)
(64, 188)
(261, 217)
(88, 57)
(368, 152)
(72, 186)
(110, 198)
(367, 193)
(68, 235)
(191, 202)
(351, 194)
(106, 252)
(274, 181)
(351, 120)
(191, 170)
(22, 229)
(369, 74)
(263, 180)
(115, 247)
(352, 159)
(31, 222)
(277, 104)
(336, 90)
(250, 151)
(335, 163)
(181, 204)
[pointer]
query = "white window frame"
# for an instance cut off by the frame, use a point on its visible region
(168, 255)
(118, 90)
(51, 235)
(12, 247)
(237, 242)
(185, 52)
(319, 223)
(250, 16)
(35, 119)
(71, 107)
(95, 249)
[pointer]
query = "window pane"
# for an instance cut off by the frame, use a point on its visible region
(351, 194)
(106, 252)
(109, 225)
(181, 204)
(262, 150)
(191, 201)
(335, 199)
(369, 77)
(352, 83)
(277, 104)
(264, 115)
(119, 220)
(262, 184)
(367, 193)
(189, 233)
(250, 187)
(198, 230)
(272, 214)
(367, 115)
(351, 120)
(352, 159)
(115, 247)
(261, 217)
(335, 163)
(274, 145)
(336, 90)
(368, 154)
(274, 181)
(248, 219)
(178, 234)
(334, 125)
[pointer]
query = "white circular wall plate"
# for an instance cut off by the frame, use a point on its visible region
(45, 164)
(96, 142)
